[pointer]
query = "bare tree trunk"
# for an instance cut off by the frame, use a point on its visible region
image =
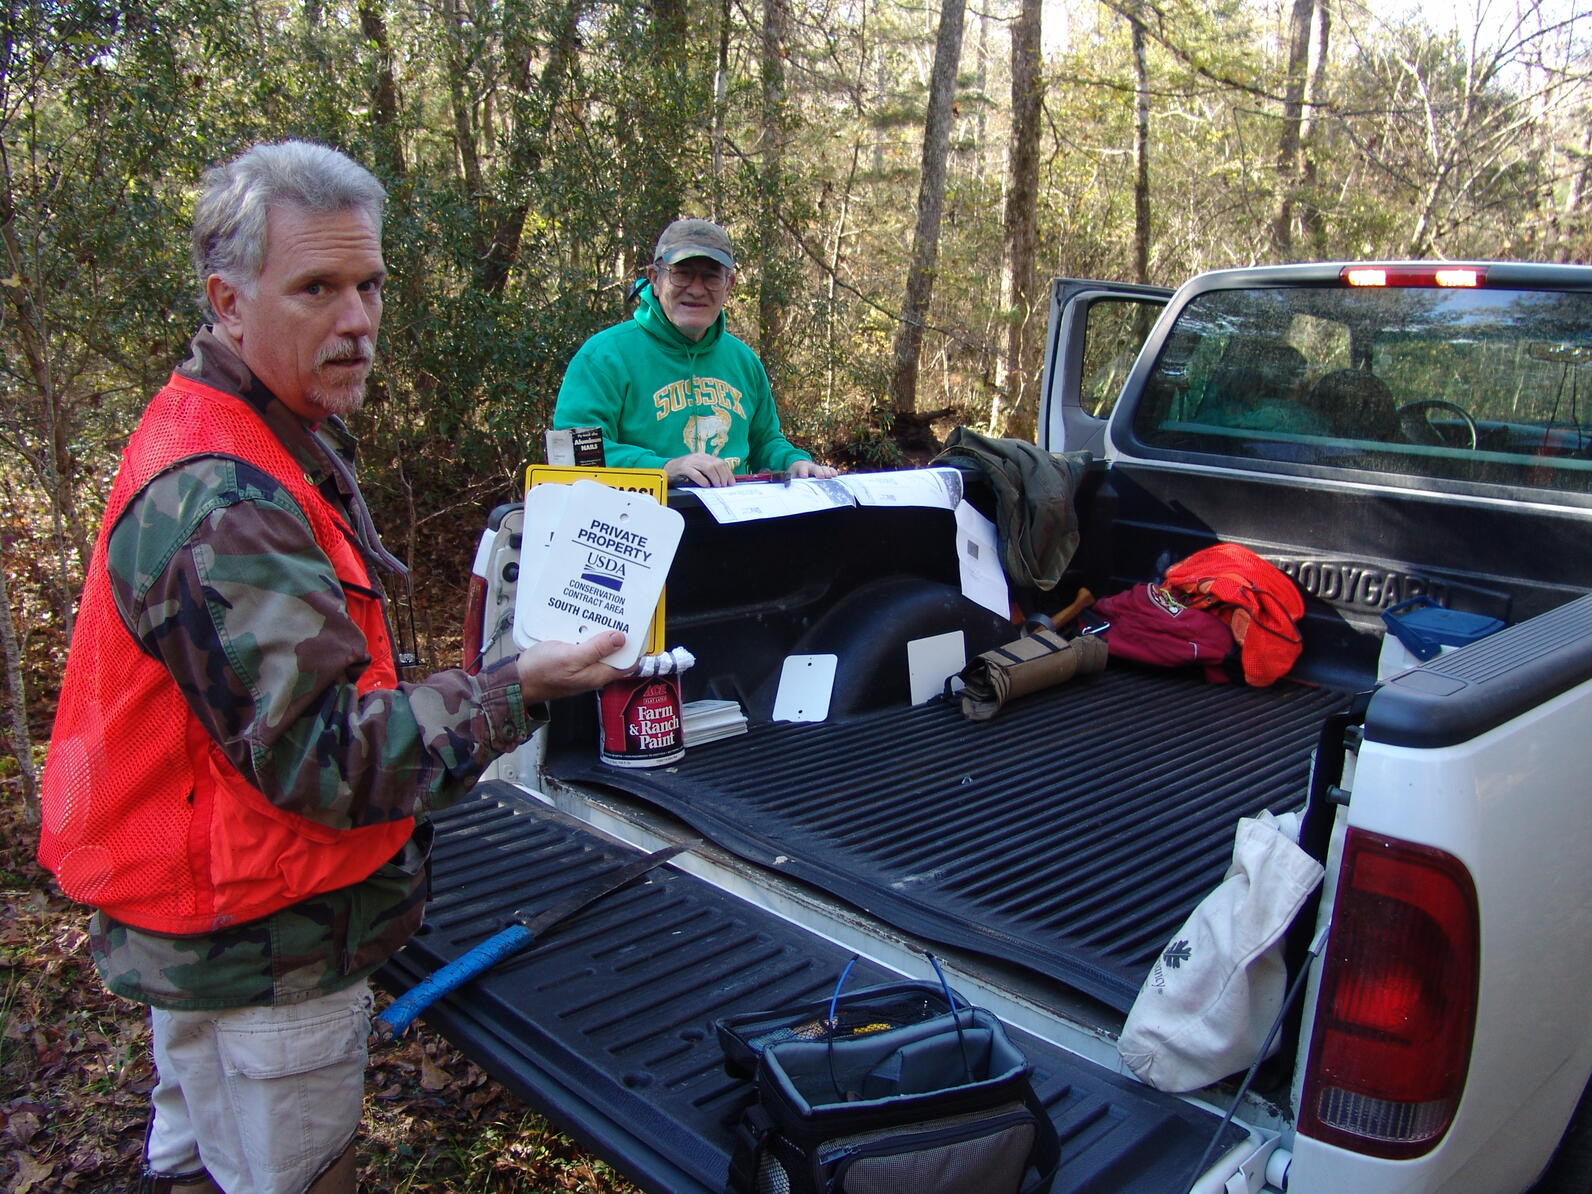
(384, 94)
(1018, 417)
(54, 462)
(721, 89)
(664, 131)
(16, 689)
(1141, 154)
(504, 224)
(774, 251)
(837, 245)
(981, 84)
(931, 203)
(1289, 137)
(462, 110)
(1309, 215)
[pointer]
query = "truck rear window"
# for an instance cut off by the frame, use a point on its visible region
(1486, 386)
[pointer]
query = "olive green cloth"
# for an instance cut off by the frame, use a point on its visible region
(1034, 512)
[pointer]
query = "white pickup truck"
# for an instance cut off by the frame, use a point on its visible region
(1443, 1037)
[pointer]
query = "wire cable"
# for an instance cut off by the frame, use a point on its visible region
(1294, 988)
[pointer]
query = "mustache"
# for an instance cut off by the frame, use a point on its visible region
(362, 347)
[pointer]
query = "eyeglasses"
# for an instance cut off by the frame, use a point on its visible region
(714, 278)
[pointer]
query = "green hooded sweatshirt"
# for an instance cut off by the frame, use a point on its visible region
(656, 395)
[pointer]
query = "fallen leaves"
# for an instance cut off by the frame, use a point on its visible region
(22, 1122)
(432, 1076)
(76, 1076)
(30, 1175)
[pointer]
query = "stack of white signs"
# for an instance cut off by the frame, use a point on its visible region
(594, 558)
(709, 720)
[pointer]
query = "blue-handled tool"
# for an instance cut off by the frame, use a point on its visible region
(520, 934)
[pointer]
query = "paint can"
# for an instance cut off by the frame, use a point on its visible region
(638, 721)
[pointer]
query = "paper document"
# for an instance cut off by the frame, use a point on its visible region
(746, 501)
(709, 720)
(938, 488)
(751, 500)
(978, 557)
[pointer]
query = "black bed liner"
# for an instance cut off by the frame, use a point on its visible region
(607, 1027)
(1070, 835)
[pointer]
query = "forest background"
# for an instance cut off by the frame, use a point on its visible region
(900, 178)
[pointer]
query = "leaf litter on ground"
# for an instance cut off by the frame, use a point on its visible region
(75, 1076)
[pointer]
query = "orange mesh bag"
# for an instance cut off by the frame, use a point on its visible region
(144, 817)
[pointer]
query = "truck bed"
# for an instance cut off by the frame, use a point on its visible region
(1071, 835)
(607, 1025)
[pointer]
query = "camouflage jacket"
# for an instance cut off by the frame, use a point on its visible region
(269, 675)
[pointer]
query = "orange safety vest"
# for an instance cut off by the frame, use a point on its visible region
(144, 816)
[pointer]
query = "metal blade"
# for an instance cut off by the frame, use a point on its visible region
(592, 892)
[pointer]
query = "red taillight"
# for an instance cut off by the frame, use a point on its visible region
(1397, 1008)
(1414, 275)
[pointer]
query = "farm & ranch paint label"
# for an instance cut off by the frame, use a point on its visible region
(638, 722)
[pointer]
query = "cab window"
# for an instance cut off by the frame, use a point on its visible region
(1485, 386)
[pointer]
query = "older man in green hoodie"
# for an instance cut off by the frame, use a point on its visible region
(671, 388)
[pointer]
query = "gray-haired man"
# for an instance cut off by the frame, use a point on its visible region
(237, 778)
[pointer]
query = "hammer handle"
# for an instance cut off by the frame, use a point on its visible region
(1081, 602)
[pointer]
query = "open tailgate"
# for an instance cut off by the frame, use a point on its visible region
(607, 1028)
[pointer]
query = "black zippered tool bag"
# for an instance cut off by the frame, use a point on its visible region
(897, 1089)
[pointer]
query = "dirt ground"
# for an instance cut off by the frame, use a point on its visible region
(75, 1075)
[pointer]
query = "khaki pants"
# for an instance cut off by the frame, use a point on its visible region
(264, 1098)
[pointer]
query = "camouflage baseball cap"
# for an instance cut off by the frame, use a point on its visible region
(694, 238)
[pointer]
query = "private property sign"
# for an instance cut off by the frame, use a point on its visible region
(594, 558)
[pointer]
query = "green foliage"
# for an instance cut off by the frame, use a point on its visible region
(533, 151)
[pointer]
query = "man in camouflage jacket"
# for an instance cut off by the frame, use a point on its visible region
(214, 573)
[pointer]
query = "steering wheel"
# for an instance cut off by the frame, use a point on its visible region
(1416, 425)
